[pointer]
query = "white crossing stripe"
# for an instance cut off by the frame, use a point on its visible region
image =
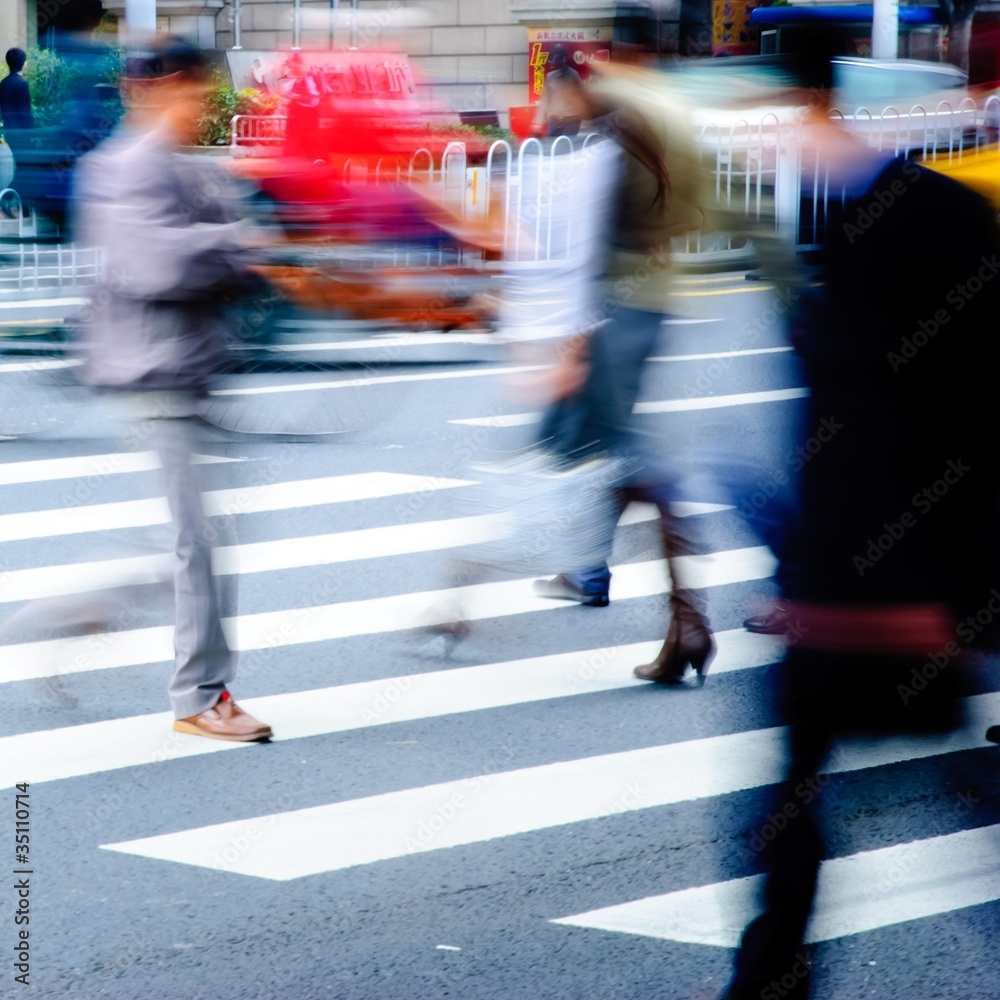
(253, 557)
(251, 499)
(288, 845)
(862, 892)
(362, 383)
(654, 406)
(271, 630)
(38, 365)
(719, 402)
(41, 303)
(88, 466)
(391, 343)
(144, 739)
(286, 553)
(723, 354)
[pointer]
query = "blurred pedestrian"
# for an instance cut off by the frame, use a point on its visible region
(897, 517)
(559, 109)
(302, 98)
(152, 335)
(659, 197)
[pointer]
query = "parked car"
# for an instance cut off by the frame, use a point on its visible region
(900, 104)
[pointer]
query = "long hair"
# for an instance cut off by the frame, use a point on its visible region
(630, 134)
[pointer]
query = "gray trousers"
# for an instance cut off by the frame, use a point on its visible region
(203, 662)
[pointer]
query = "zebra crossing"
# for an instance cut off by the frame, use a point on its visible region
(924, 878)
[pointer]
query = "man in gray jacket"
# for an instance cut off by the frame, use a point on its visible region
(153, 335)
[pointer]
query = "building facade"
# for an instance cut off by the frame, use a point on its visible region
(473, 54)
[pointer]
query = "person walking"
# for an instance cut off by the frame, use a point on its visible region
(896, 522)
(659, 197)
(151, 336)
(559, 106)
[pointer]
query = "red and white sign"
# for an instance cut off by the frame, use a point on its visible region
(584, 47)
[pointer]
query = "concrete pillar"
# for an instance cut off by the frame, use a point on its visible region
(140, 16)
(18, 24)
(885, 29)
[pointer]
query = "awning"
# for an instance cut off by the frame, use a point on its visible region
(842, 14)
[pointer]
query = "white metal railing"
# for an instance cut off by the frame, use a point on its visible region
(257, 130)
(34, 267)
(26, 220)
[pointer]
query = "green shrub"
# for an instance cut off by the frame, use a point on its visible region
(55, 81)
(224, 103)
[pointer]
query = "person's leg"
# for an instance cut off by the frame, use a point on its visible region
(204, 664)
(596, 420)
(689, 639)
(771, 949)
(618, 350)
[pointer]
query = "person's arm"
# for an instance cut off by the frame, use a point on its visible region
(155, 249)
(542, 109)
(29, 118)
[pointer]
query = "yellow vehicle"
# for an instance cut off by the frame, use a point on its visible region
(978, 169)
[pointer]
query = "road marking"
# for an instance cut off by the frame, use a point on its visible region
(723, 354)
(361, 383)
(289, 845)
(683, 321)
(855, 894)
(254, 557)
(501, 420)
(390, 342)
(241, 500)
(270, 630)
(719, 402)
(41, 303)
(736, 276)
(144, 739)
(89, 466)
(300, 551)
(751, 287)
(654, 406)
(34, 366)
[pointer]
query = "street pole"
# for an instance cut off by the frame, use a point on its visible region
(334, 6)
(297, 25)
(140, 16)
(237, 24)
(885, 29)
(354, 24)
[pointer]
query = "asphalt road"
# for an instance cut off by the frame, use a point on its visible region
(436, 822)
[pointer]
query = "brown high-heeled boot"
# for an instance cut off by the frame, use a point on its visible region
(689, 642)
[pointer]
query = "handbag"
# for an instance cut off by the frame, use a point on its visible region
(551, 516)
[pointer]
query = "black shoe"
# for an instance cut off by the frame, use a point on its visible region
(772, 623)
(560, 588)
(993, 734)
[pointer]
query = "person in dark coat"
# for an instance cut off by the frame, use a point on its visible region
(15, 107)
(15, 95)
(896, 528)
